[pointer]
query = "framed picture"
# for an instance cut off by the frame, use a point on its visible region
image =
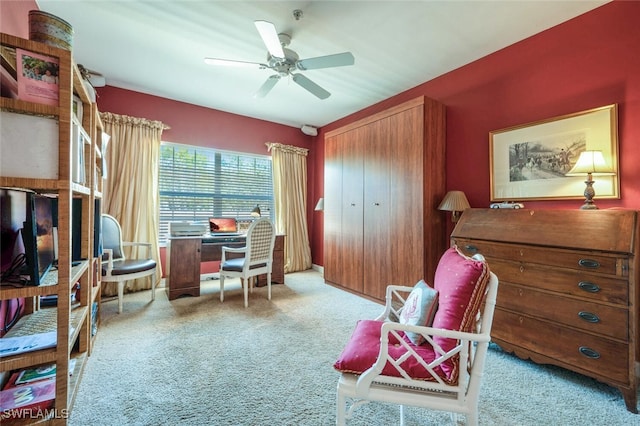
(37, 77)
(530, 161)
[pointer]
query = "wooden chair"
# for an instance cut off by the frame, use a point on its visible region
(257, 258)
(116, 267)
(407, 374)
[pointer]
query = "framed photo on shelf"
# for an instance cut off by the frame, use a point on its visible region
(530, 161)
(37, 77)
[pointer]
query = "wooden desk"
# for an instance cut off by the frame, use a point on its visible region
(184, 255)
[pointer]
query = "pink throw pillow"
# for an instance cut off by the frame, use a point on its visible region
(461, 283)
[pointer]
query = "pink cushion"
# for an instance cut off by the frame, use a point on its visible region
(361, 352)
(461, 283)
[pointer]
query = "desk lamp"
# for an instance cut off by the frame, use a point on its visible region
(590, 163)
(256, 211)
(454, 202)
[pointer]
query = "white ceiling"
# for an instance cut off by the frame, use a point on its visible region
(158, 47)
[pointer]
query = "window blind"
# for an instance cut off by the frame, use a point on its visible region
(196, 183)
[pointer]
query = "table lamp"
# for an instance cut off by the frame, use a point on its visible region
(590, 163)
(455, 202)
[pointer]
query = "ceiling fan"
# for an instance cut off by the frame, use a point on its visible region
(285, 62)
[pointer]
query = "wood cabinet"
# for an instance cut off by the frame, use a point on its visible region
(568, 291)
(65, 177)
(183, 267)
(384, 178)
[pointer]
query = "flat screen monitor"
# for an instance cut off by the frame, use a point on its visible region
(223, 225)
(38, 237)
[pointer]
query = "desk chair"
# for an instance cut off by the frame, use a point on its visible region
(116, 267)
(257, 259)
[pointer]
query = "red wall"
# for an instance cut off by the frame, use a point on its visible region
(587, 62)
(590, 61)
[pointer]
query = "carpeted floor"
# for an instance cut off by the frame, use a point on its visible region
(195, 361)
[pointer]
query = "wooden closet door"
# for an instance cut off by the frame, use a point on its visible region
(380, 216)
(332, 210)
(407, 179)
(351, 255)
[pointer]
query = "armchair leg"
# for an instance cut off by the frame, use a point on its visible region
(120, 295)
(222, 287)
(153, 286)
(245, 286)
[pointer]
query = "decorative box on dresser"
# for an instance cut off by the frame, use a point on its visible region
(384, 177)
(568, 291)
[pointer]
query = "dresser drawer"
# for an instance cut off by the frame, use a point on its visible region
(593, 262)
(563, 280)
(574, 349)
(605, 320)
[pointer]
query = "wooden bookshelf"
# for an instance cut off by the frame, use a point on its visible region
(71, 321)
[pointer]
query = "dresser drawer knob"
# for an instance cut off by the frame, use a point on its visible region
(521, 268)
(589, 263)
(590, 287)
(589, 353)
(470, 248)
(588, 316)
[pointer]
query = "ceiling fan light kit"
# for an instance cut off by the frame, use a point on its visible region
(285, 61)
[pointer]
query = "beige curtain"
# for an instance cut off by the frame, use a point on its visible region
(131, 187)
(290, 193)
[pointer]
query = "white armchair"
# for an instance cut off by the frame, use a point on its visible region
(443, 373)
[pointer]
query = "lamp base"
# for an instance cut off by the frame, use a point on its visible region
(589, 193)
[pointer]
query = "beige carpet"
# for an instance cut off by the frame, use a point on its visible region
(195, 361)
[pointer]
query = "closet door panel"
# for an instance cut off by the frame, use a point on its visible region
(351, 255)
(332, 210)
(407, 179)
(379, 216)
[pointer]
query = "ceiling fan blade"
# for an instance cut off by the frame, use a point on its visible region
(270, 38)
(337, 60)
(267, 86)
(232, 63)
(311, 86)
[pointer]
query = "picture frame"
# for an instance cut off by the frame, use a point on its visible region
(529, 161)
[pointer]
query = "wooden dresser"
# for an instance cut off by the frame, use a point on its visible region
(568, 291)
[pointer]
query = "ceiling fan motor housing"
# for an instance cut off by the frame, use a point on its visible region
(286, 65)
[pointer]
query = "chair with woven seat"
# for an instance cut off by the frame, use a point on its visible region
(116, 267)
(256, 259)
(438, 366)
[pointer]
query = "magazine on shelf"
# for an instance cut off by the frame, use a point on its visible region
(36, 373)
(37, 77)
(32, 342)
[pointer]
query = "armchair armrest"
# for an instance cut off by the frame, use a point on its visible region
(226, 249)
(109, 254)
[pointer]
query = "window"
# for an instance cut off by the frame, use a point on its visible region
(196, 183)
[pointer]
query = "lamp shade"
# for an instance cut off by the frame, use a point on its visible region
(320, 205)
(256, 211)
(454, 201)
(590, 162)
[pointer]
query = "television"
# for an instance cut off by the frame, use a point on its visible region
(223, 225)
(38, 238)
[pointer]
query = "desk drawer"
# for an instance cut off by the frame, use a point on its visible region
(563, 280)
(593, 317)
(593, 262)
(578, 350)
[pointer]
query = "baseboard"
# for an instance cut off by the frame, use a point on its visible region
(318, 268)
